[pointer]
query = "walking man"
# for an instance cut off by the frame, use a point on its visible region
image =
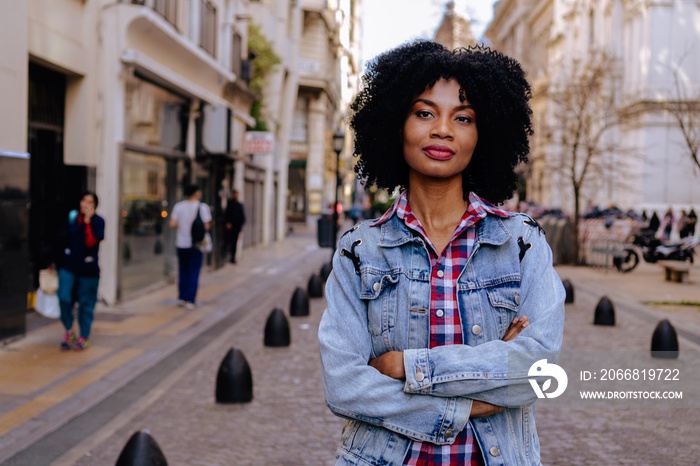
(235, 219)
(189, 255)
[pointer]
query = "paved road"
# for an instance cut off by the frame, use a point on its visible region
(287, 422)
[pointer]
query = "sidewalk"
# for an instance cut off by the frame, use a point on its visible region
(645, 290)
(41, 388)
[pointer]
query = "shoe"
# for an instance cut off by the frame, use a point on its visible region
(232, 261)
(68, 340)
(181, 303)
(190, 306)
(81, 344)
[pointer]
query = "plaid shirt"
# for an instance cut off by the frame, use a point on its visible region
(445, 325)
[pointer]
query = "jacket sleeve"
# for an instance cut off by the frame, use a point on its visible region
(56, 250)
(354, 390)
(497, 371)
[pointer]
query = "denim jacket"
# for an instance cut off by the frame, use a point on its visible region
(378, 300)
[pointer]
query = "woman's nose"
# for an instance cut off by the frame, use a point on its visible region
(442, 128)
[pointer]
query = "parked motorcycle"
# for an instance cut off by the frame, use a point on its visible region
(654, 250)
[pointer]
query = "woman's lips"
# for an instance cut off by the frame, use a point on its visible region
(439, 152)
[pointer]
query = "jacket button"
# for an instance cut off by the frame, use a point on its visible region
(448, 433)
(376, 286)
(476, 330)
(419, 376)
(517, 299)
(494, 451)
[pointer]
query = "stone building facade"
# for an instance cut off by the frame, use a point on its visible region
(135, 98)
(651, 43)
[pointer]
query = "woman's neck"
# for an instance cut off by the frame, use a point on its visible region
(439, 208)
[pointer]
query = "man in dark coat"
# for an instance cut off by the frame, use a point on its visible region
(235, 219)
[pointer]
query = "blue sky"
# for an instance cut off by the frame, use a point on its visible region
(388, 23)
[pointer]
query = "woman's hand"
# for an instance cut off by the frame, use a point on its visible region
(517, 326)
(88, 211)
(391, 362)
(484, 409)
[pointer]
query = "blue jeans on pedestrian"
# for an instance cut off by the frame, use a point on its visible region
(85, 289)
(190, 263)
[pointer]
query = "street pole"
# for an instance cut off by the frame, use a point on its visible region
(335, 206)
(338, 143)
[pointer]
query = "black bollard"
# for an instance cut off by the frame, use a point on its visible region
(604, 312)
(158, 247)
(664, 341)
(141, 450)
(234, 382)
(315, 287)
(326, 270)
(569, 288)
(277, 329)
(299, 305)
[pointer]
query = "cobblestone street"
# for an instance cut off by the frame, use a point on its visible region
(287, 422)
(614, 435)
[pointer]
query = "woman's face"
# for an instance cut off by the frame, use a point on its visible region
(87, 204)
(439, 135)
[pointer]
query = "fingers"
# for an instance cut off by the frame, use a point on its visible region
(517, 326)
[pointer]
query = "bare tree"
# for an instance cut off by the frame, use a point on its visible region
(586, 106)
(684, 109)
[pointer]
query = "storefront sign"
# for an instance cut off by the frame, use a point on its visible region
(259, 142)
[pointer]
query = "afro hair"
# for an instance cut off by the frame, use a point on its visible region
(494, 85)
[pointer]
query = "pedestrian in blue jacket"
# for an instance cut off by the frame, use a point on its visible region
(78, 270)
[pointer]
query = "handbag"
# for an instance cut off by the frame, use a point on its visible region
(48, 281)
(47, 304)
(206, 245)
(197, 230)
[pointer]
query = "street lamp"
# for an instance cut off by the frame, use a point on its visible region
(338, 144)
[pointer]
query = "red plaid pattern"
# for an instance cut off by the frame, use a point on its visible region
(445, 325)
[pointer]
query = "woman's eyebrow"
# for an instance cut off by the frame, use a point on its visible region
(433, 104)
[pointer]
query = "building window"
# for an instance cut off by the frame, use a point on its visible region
(300, 122)
(155, 117)
(166, 8)
(207, 31)
(236, 54)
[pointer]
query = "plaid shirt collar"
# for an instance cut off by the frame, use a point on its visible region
(478, 208)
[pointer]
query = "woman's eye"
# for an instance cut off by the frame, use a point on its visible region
(423, 114)
(464, 119)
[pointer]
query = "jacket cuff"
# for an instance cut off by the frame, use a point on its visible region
(417, 369)
(456, 418)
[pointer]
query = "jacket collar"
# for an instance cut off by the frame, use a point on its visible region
(490, 229)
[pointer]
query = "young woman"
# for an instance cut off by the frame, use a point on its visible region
(78, 270)
(425, 343)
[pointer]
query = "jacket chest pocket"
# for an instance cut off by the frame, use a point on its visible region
(504, 302)
(379, 290)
